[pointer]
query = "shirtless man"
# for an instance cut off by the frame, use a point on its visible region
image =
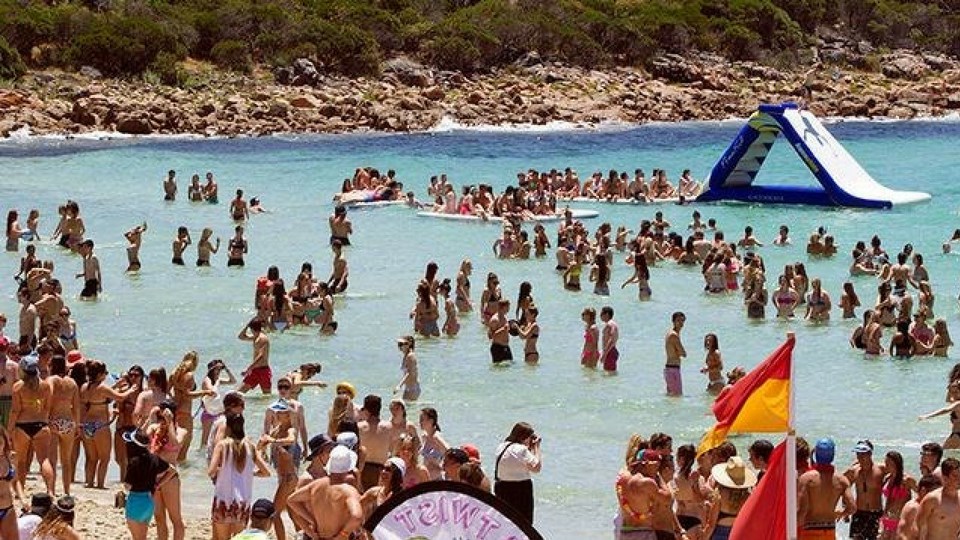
(930, 455)
(324, 510)
(316, 459)
(783, 237)
(819, 489)
(92, 280)
(340, 226)
(258, 372)
(170, 186)
(180, 244)
(907, 528)
(210, 190)
(498, 331)
(50, 304)
(609, 338)
(675, 353)
(339, 273)
(640, 495)
(376, 435)
(135, 237)
(238, 208)
(939, 517)
(749, 240)
(28, 322)
(867, 477)
(902, 271)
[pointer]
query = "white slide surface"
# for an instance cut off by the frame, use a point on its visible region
(838, 164)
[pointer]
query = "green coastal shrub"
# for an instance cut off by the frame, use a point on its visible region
(233, 55)
(118, 45)
(11, 65)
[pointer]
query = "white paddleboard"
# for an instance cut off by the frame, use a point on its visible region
(577, 214)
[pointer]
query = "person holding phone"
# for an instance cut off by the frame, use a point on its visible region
(518, 457)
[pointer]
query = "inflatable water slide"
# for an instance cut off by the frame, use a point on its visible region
(843, 181)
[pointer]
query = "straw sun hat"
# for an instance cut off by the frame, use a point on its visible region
(734, 474)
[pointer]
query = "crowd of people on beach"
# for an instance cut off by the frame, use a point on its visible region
(330, 480)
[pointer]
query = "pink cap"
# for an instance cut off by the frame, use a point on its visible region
(472, 451)
(73, 357)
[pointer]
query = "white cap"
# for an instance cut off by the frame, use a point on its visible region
(399, 464)
(342, 460)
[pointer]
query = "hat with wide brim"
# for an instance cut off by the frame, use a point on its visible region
(734, 474)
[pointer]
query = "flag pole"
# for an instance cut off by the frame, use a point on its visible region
(791, 449)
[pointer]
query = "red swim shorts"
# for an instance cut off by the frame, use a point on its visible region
(260, 376)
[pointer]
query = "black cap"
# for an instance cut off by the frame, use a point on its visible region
(262, 509)
(40, 503)
(318, 443)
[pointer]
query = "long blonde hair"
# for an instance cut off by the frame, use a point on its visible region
(187, 365)
(338, 413)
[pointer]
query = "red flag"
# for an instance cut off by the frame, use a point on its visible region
(764, 515)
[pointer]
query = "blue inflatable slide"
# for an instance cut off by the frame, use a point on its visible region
(843, 181)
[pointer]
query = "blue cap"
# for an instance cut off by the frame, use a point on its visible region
(279, 405)
(823, 452)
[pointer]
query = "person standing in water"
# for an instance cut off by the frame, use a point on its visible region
(93, 282)
(170, 186)
(180, 244)
(675, 353)
(135, 237)
(236, 248)
(238, 208)
(210, 190)
(340, 226)
(410, 383)
(610, 336)
(258, 372)
(205, 247)
(339, 273)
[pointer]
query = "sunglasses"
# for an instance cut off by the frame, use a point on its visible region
(283, 387)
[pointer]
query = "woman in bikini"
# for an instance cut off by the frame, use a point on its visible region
(902, 344)
(73, 228)
(922, 334)
(132, 381)
(236, 248)
(205, 248)
(416, 472)
(281, 436)
(13, 231)
(212, 402)
(530, 332)
(433, 446)
(849, 301)
(641, 276)
(540, 241)
(590, 354)
(65, 420)
(818, 303)
(941, 338)
(280, 307)
(897, 490)
(157, 391)
(713, 364)
(167, 442)
(490, 298)
(183, 389)
(95, 420)
(30, 418)
(785, 298)
(600, 275)
(300, 378)
(9, 487)
(451, 326)
(885, 305)
(688, 490)
(389, 483)
(953, 409)
(464, 304)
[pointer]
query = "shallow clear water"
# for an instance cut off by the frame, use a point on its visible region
(584, 417)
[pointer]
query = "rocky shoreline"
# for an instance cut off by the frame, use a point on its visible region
(409, 97)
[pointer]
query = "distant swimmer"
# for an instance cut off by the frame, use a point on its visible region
(195, 190)
(210, 190)
(205, 247)
(258, 373)
(170, 186)
(675, 353)
(236, 248)
(238, 208)
(340, 226)
(180, 244)
(135, 237)
(93, 282)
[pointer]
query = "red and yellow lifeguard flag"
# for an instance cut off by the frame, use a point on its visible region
(757, 403)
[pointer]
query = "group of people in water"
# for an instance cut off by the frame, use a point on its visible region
(330, 480)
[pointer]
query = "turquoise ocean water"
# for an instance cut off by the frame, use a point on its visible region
(584, 417)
